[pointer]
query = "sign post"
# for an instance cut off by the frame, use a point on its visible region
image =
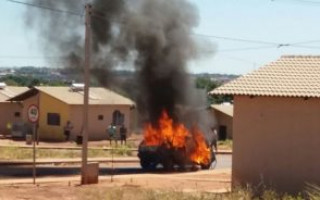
(33, 117)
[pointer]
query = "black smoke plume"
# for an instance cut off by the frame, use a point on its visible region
(151, 36)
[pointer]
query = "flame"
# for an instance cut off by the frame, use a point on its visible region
(175, 135)
(201, 153)
(167, 133)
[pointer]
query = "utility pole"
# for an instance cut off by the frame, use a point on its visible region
(84, 171)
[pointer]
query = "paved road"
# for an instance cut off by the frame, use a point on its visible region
(7, 172)
(224, 161)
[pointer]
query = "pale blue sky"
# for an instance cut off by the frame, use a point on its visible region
(277, 21)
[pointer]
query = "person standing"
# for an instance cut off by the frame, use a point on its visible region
(115, 133)
(214, 141)
(67, 130)
(110, 132)
(123, 134)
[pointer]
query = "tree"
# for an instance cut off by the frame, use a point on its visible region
(30, 81)
(208, 84)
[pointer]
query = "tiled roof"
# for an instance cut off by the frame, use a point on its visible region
(10, 91)
(224, 108)
(290, 76)
(97, 96)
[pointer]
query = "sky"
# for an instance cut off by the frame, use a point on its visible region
(270, 28)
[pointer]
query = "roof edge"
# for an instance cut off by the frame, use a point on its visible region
(261, 95)
(300, 56)
(24, 95)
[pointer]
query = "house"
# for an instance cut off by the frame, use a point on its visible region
(57, 105)
(10, 111)
(223, 113)
(276, 125)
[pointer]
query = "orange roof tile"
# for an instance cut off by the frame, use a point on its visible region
(97, 96)
(290, 76)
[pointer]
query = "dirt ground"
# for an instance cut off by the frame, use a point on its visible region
(68, 188)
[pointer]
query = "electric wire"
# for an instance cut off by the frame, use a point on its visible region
(235, 39)
(47, 8)
(302, 1)
(273, 44)
(30, 57)
(305, 47)
(247, 48)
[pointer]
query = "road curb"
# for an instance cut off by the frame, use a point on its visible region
(67, 161)
(224, 152)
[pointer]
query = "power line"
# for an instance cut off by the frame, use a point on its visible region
(47, 8)
(274, 44)
(30, 57)
(235, 39)
(248, 48)
(278, 45)
(305, 47)
(303, 1)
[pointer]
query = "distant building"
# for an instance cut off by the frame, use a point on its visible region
(223, 114)
(11, 112)
(276, 125)
(58, 105)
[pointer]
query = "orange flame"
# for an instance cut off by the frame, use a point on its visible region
(175, 135)
(167, 133)
(201, 154)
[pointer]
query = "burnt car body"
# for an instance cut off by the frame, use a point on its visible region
(168, 157)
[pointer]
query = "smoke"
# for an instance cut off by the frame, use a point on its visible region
(151, 36)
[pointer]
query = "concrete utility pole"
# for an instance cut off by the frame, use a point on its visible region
(84, 171)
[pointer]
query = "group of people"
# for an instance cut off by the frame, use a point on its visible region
(113, 132)
(120, 132)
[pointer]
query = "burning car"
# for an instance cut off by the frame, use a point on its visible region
(172, 144)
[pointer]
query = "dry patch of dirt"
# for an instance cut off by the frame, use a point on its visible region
(126, 185)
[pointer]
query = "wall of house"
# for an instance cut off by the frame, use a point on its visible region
(26, 104)
(49, 104)
(276, 142)
(224, 120)
(97, 128)
(7, 115)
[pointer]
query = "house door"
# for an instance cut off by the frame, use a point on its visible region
(117, 118)
(222, 133)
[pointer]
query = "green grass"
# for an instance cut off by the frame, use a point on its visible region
(226, 144)
(124, 193)
(14, 153)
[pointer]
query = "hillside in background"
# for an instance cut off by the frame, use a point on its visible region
(121, 81)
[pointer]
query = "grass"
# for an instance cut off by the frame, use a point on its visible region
(14, 153)
(148, 194)
(129, 144)
(225, 144)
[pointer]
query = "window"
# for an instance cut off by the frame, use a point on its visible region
(100, 117)
(53, 119)
(117, 118)
(17, 114)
